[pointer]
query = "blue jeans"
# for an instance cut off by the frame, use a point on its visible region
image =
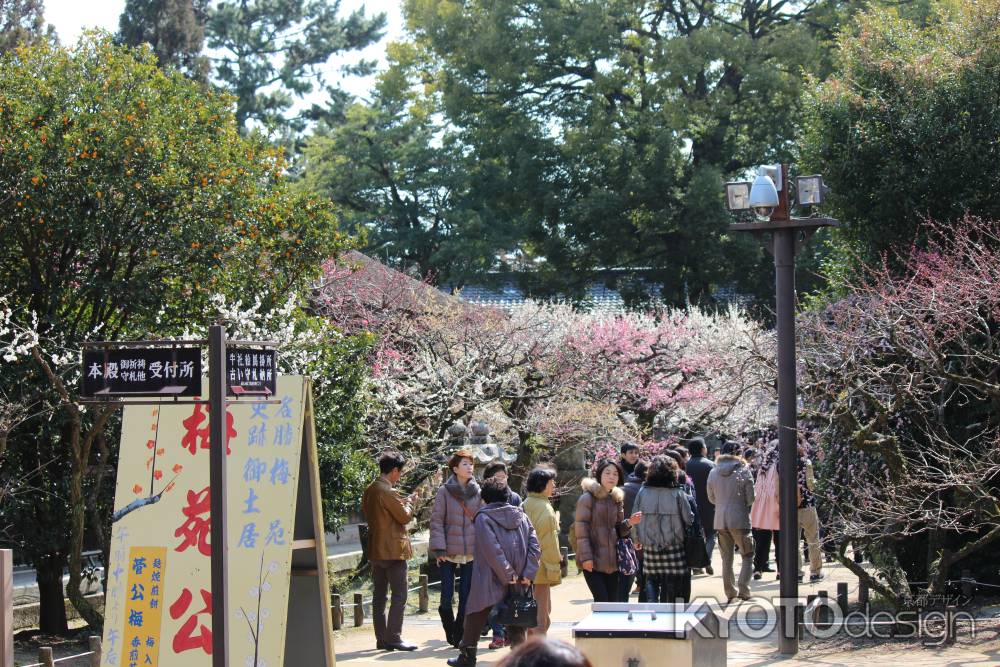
(448, 586)
(668, 588)
(710, 543)
(497, 629)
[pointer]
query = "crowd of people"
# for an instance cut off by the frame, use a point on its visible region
(633, 526)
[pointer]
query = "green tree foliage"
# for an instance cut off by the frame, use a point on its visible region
(906, 130)
(23, 22)
(597, 135)
(269, 52)
(174, 28)
(346, 465)
(128, 199)
(385, 162)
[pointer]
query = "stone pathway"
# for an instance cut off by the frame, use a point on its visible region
(571, 603)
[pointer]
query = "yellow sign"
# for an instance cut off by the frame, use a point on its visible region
(143, 605)
(162, 511)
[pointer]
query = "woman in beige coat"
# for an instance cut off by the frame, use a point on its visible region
(540, 486)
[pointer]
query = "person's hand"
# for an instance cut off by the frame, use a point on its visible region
(441, 559)
(635, 519)
(637, 545)
(587, 566)
(513, 580)
(524, 581)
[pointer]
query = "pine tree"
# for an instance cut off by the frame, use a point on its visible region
(174, 28)
(23, 22)
(271, 51)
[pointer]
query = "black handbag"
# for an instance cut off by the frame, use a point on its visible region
(695, 548)
(518, 608)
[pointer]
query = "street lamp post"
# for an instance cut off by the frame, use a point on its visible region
(783, 235)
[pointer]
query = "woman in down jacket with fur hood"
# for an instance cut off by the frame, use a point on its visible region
(600, 522)
(453, 539)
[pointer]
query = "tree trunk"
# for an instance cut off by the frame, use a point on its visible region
(938, 566)
(77, 504)
(525, 454)
(892, 595)
(100, 528)
(51, 609)
(949, 558)
(937, 555)
(80, 453)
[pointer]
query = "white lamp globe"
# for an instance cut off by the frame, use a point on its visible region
(763, 196)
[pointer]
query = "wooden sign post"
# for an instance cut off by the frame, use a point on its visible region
(160, 595)
(6, 607)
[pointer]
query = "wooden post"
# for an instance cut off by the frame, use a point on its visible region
(45, 656)
(564, 561)
(359, 610)
(338, 611)
(423, 595)
(95, 650)
(823, 619)
(7, 606)
(862, 592)
(842, 597)
(950, 624)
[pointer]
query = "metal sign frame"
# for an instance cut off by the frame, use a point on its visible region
(116, 399)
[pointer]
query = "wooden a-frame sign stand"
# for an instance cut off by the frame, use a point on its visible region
(161, 601)
(309, 625)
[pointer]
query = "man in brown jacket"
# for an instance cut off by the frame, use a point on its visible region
(388, 550)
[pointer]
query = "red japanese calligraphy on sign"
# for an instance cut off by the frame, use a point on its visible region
(185, 639)
(197, 527)
(196, 436)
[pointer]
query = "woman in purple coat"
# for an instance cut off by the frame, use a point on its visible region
(507, 552)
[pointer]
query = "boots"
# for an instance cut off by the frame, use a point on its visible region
(448, 623)
(466, 657)
(456, 637)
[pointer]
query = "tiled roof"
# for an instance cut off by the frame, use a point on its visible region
(507, 295)
(599, 298)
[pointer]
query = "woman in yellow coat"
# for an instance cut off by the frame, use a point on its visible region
(540, 486)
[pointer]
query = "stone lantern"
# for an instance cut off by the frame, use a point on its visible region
(483, 450)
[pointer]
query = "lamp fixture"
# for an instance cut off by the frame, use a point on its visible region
(810, 190)
(738, 196)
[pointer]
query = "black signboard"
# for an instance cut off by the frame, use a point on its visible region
(142, 371)
(251, 371)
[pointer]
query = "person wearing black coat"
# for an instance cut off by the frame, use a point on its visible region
(632, 485)
(698, 467)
